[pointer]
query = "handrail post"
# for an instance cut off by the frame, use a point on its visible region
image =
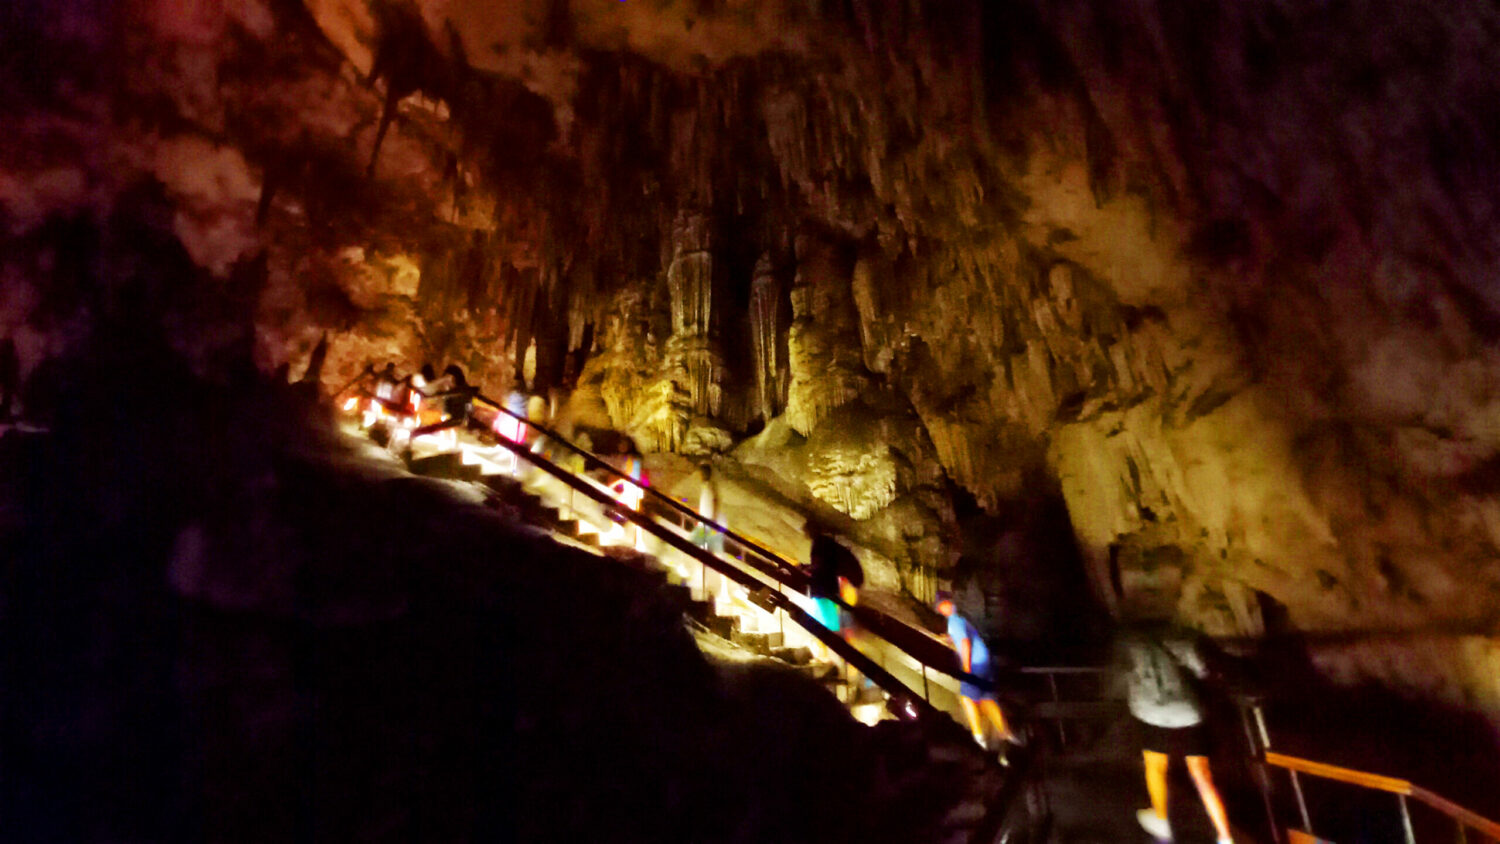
(781, 615)
(1301, 803)
(1265, 741)
(1411, 837)
(1262, 772)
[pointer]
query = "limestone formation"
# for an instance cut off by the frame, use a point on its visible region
(1220, 282)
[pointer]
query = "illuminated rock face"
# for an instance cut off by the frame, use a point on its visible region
(1220, 282)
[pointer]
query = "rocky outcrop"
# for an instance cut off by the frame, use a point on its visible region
(1215, 280)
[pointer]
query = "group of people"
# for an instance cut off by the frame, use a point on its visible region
(1163, 667)
(425, 403)
(420, 403)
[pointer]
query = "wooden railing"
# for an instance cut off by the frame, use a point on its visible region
(1403, 789)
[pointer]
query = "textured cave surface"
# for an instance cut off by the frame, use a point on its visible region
(1031, 298)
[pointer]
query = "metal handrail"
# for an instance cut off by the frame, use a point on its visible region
(801, 617)
(996, 818)
(915, 642)
(788, 566)
(921, 646)
(1392, 785)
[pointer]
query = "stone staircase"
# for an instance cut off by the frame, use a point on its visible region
(937, 748)
(531, 506)
(1086, 793)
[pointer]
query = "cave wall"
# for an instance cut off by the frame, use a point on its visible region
(1220, 279)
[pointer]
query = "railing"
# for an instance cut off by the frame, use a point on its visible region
(916, 643)
(1464, 819)
(1060, 711)
(925, 650)
(781, 570)
(777, 600)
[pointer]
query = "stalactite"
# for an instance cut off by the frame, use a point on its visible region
(694, 347)
(856, 480)
(690, 275)
(766, 336)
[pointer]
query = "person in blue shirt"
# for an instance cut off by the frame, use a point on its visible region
(974, 657)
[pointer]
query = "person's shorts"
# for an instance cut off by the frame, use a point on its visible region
(973, 692)
(1173, 741)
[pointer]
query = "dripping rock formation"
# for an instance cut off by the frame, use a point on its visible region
(1191, 299)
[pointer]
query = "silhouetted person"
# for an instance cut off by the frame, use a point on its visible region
(460, 396)
(833, 575)
(418, 386)
(508, 423)
(386, 382)
(629, 463)
(974, 658)
(823, 577)
(631, 488)
(314, 372)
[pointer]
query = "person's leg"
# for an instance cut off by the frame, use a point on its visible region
(992, 711)
(1156, 781)
(1204, 779)
(971, 711)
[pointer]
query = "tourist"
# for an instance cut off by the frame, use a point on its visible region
(824, 558)
(834, 576)
(974, 659)
(458, 397)
(386, 383)
(508, 421)
(627, 484)
(1164, 702)
(630, 488)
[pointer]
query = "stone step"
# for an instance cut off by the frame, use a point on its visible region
(448, 465)
(754, 641)
(700, 610)
(504, 485)
(723, 626)
(800, 655)
(681, 596)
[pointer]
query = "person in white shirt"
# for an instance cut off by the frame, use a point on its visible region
(1165, 704)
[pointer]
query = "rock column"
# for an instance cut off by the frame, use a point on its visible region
(823, 346)
(767, 323)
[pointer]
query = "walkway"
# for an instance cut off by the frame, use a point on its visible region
(1082, 783)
